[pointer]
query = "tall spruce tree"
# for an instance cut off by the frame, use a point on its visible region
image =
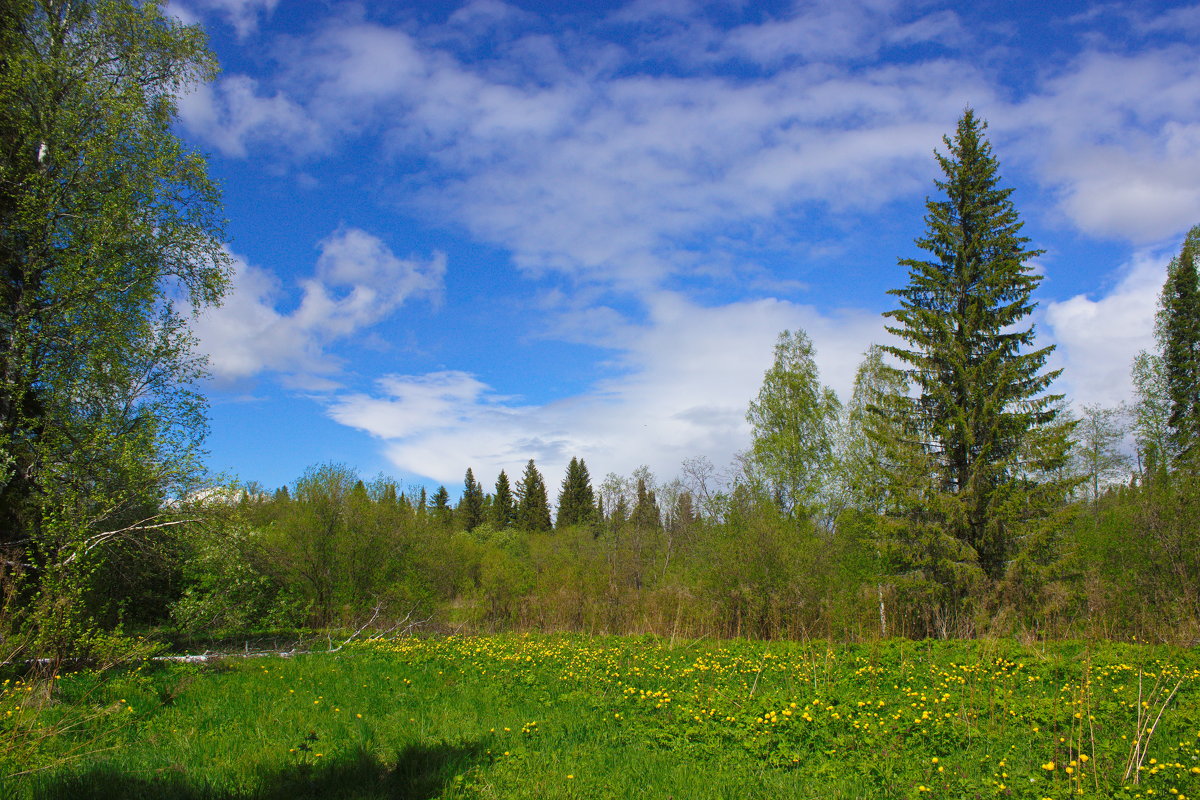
(576, 500)
(503, 510)
(533, 504)
(1178, 333)
(470, 507)
(982, 411)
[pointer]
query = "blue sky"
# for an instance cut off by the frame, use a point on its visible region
(474, 233)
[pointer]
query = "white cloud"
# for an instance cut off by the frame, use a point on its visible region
(595, 174)
(556, 151)
(1119, 136)
(686, 377)
(358, 282)
(242, 15)
(1097, 339)
(233, 115)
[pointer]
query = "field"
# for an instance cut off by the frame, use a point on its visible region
(580, 717)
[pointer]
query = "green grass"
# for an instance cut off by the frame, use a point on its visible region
(578, 717)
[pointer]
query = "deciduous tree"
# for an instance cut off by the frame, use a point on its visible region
(108, 224)
(792, 423)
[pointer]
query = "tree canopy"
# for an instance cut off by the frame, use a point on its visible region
(1178, 334)
(108, 224)
(792, 421)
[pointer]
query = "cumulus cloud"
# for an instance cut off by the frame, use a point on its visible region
(357, 282)
(1098, 338)
(234, 114)
(685, 377)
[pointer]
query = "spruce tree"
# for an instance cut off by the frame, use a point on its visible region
(533, 504)
(646, 513)
(503, 511)
(470, 507)
(576, 501)
(982, 412)
(1178, 332)
(441, 506)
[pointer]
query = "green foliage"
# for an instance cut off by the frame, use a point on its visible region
(576, 501)
(106, 221)
(441, 507)
(1151, 415)
(792, 423)
(471, 505)
(982, 412)
(232, 586)
(1178, 333)
(503, 511)
(1099, 452)
(533, 504)
(875, 433)
(568, 717)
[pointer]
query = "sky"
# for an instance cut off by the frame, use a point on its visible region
(467, 234)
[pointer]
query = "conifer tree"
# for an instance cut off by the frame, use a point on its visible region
(503, 511)
(646, 513)
(533, 504)
(470, 507)
(1178, 332)
(441, 506)
(982, 411)
(576, 501)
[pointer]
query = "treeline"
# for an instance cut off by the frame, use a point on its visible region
(698, 555)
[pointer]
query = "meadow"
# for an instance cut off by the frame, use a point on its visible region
(614, 717)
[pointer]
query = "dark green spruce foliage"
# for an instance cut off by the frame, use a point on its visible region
(471, 506)
(1179, 339)
(441, 506)
(576, 501)
(982, 412)
(646, 513)
(503, 511)
(533, 504)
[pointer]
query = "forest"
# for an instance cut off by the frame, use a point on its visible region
(954, 494)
